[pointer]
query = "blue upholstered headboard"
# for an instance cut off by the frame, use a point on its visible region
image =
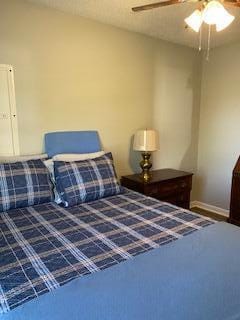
(72, 142)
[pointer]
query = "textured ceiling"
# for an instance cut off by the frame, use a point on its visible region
(165, 23)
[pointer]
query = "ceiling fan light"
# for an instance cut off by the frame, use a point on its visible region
(225, 20)
(212, 13)
(194, 21)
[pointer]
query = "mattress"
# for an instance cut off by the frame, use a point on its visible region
(46, 246)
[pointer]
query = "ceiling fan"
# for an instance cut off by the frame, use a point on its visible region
(211, 12)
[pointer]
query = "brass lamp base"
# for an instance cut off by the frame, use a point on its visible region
(146, 165)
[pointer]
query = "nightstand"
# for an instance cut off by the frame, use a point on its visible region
(168, 185)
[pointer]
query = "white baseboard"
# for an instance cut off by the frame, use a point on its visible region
(208, 207)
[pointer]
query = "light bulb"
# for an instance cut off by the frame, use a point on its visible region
(194, 21)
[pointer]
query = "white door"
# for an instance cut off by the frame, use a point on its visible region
(9, 144)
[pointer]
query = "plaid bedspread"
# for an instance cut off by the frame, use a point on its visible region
(45, 246)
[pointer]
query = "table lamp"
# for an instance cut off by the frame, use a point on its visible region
(146, 141)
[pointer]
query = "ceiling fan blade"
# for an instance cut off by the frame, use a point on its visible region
(233, 3)
(156, 5)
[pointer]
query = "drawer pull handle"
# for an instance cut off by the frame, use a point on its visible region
(183, 185)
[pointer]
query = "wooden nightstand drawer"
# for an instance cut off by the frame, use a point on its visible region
(151, 191)
(166, 184)
(161, 191)
(185, 183)
(180, 199)
(168, 188)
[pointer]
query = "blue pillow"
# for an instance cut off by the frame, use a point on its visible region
(88, 180)
(24, 184)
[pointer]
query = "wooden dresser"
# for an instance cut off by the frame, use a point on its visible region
(166, 184)
(234, 216)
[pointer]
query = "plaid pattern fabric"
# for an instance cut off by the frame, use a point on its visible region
(87, 180)
(46, 246)
(24, 184)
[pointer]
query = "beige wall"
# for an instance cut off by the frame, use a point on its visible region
(176, 107)
(72, 73)
(219, 143)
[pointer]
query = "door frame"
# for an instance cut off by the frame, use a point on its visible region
(13, 109)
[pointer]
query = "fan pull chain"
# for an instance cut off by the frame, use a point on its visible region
(208, 45)
(200, 39)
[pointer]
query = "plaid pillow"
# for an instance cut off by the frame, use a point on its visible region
(24, 184)
(87, 180)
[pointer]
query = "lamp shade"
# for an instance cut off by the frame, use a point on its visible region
(215, 13)
(146, 140)
(194, 20)
(225, 20)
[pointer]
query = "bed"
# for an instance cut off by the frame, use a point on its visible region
(125, 256)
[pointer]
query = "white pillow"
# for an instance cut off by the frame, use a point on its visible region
(12, 159)
(69, 157)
